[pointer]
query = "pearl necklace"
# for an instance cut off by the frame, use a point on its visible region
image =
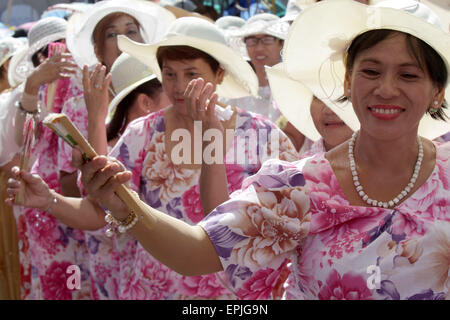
(360, 189)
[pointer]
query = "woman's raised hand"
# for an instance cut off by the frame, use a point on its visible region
(200, 101)
(37, 193)
(51, 69)
(96, 91)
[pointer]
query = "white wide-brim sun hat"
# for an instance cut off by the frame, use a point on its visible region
(316, 59)
(16, 70)
(265, 23)
(127, 73)
(239, 80)
(8, 47)
(292, 11)
(154, 21)
(42, 33)
(231, 28)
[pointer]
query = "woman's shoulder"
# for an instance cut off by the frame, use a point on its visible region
(276, 174)
(442, 151)
(256, 119)
(152, 121)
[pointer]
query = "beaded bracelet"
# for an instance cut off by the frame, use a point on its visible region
(24, 111)
(121, 226)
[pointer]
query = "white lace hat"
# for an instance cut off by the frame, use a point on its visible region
(8, 47)
(292, 11)
(239, 79)
(231, 27)
(154, 20)
(42, 33)
(265, 23)
(127, 73)
(316, 59)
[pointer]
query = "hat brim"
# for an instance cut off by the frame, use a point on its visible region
(265, 28)
(323, 70)
(122, 94)
(153, 19)
(239, 79)
(293, 99)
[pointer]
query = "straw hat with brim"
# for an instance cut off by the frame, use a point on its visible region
(316, 59)
(239, 79)
(153, 19)
(128, 73)
(295, 110)
(42, 33)
(265, 23)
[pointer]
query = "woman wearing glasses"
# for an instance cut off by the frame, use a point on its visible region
(263, 36)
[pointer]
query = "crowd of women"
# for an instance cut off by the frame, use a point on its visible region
(276, 158)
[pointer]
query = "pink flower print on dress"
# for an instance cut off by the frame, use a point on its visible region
(260, 285)
(54, 282)
(348, 287)
(192, 204)
(207, 286)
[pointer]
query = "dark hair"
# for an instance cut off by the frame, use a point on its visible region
(2, 71)
(20, 33)
(207, 11)
(43, 51)
(422, 52)
(35, 56)
(151, 88)
(185, 53)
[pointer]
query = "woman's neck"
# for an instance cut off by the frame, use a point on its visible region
(262, 77)
(388, 156)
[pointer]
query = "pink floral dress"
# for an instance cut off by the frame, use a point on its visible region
(175, 191)
(338, 251)
(103, 258)
(48, 247)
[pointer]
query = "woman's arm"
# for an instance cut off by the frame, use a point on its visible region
(201, 103)
(54, 68)
(213, 186)
(78, 213)
(96, 96)
(180, 246)
(68, 182)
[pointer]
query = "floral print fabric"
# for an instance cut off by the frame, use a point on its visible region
(175, 190)
(298, 211)
(101, 254)
(48, 247)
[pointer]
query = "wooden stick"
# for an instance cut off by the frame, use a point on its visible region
(64, 128)
(25, 157)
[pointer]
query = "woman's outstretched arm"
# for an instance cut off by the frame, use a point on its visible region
(78, 213)
(184, 248)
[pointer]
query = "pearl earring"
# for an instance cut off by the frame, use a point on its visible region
(434, 108)
(349, 95)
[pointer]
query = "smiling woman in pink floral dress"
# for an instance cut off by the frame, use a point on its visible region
(321, 212)
(168, 171)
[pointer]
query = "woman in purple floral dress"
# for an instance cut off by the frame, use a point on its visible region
(159, 151)
(343, 243)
